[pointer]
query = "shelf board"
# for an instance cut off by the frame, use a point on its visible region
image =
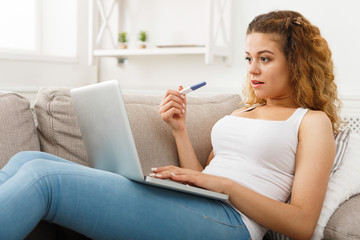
(148, 51)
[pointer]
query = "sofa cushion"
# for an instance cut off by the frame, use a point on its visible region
(341, 142)
(59, 133)
(17, 127)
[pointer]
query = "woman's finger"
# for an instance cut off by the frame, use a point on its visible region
(162, 175)
(171, 104)
(164, 168)
(172, 95)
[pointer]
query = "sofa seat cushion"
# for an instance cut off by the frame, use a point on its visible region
(17, 127)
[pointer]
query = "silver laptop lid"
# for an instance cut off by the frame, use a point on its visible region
(106, 130)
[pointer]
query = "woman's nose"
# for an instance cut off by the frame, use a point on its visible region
(253, 68)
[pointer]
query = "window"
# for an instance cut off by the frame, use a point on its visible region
(38, 28)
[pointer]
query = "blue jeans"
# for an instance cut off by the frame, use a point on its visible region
(104, 205)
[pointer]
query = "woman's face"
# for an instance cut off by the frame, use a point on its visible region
(268, 69)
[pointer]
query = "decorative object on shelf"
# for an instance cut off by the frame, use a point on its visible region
(143, 39)
(122, 39)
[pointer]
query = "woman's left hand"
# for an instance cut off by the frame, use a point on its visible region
(194, 178)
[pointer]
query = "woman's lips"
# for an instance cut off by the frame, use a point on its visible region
(256, 83)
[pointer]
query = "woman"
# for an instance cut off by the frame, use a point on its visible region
(290, 71)
(282, 145)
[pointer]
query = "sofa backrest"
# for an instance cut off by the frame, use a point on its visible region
(60, 135)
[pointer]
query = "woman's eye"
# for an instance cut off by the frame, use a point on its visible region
(264, 59)
(248, 59)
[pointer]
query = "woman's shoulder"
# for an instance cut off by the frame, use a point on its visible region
(315, 119)
(316, 116)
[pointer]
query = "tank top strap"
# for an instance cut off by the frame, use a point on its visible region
(245, 110)
(298, 116)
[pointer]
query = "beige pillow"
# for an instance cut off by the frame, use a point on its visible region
(17, 128)
(59, 133)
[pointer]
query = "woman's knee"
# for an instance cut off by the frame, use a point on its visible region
(21, 158)
(25, 156)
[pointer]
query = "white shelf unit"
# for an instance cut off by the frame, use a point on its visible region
(149, 51)
(217, 16)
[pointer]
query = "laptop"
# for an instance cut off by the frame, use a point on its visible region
(108, 138)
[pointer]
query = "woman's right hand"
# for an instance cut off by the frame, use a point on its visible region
(173, 109)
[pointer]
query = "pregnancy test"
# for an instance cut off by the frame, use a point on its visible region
(192, 88)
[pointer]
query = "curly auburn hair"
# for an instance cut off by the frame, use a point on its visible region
(309, 62)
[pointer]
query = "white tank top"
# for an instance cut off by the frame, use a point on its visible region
(258, 154)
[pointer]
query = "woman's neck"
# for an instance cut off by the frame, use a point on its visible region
(284, 103)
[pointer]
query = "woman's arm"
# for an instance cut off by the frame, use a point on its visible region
(314, 160)
(173, 111)
(187, 156)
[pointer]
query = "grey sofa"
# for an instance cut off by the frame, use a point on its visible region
(51, 127)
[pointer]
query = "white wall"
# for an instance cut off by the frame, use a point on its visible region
(337, 20)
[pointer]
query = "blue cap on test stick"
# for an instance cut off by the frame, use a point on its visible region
(199, 85)
(192, 88)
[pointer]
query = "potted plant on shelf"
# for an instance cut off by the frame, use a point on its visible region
(122, 39)
(142, 38)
